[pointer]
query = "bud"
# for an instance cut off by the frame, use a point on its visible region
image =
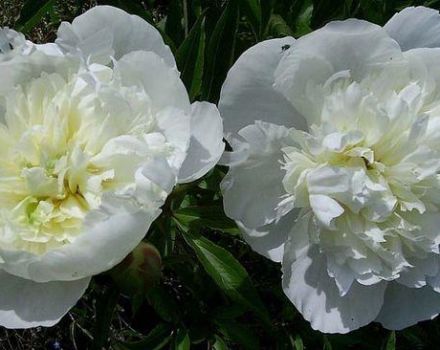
(139, 271)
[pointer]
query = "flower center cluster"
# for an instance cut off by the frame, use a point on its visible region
(367, 171)
(58, 156)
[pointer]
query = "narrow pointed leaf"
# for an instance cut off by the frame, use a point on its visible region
(190, 58)
(227, 273)
(220, 51)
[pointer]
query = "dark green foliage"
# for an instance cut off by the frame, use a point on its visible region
(215, 293)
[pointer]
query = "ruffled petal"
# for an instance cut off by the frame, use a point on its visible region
(269, 240)
(161, 82)
(404, 307)
(23, 68)
(26, 304)
(415, 27)
(253, 190)
(206, 144)
(248, 95)
(109, 234)
(353, 48)
(307, 284)
(422, 270)
(105, 31)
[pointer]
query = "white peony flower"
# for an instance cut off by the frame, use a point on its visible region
(335, 169)
(89, 150)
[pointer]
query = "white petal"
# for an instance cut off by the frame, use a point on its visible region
(110, 233)
(175, 124)
(13, 43)
(247, 94)
(434, 282)
(415, 27)
(424, 69)
(355, 46)
(404, 307)
(50, 49)
(106, 31)
(343, 275)
(206, 145)
(315, 294)
(269, 240)
(21, 69)
(325, 208)
(421, 272)
(26, 304)
(253, 189)
(161, 82)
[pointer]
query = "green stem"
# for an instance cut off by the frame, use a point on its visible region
(105, 307)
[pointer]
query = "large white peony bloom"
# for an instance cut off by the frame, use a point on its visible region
(335, 169)
(95, 131)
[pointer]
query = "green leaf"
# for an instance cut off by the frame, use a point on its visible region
(227, 273)
(163, 303)
(229, 312)
(304, 19)
(327, 344)
(252, 10)
(182, 341)
(239, 334)
(173, 24)
(105, 306)
(211, 216)
(190, 58)
(298, 343)
(373, 10)
(391, 342)
(219, 344)
(220, 51)
(133, 7)
(157, 339)
(32, 13)
(278, 27)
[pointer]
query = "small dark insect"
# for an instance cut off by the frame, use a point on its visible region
(10, 48)
(285, 47)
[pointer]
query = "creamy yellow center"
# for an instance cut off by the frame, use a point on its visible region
(56, 157)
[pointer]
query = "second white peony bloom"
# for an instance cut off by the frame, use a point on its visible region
(95, 132)
(335, 169)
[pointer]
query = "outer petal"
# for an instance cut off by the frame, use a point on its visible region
(206, 144)
(26, 304)
(404, 307)
(161, 82)
(424, 69)
(309, 287)
(352, 46)
(110, 233)
(168, 96)
(175, 125)
(415, 27)
(269, 240)
(253, 189)
(422, 271)
(106, 31)
(248, 95)
(12, 44)
(22, 68)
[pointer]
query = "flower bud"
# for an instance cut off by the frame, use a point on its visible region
(139, 271)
